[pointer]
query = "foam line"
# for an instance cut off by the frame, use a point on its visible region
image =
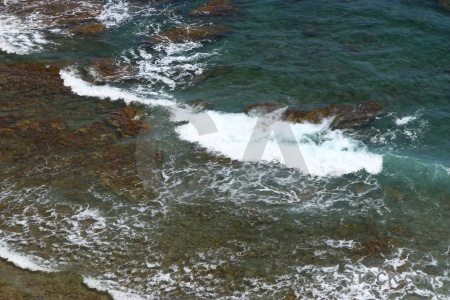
(325, 152)
(83, 88)
(24, 262)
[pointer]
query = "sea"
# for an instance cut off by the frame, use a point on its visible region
(367, 218)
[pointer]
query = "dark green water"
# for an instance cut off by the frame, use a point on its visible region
(257, 230)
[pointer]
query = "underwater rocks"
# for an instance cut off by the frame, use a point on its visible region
(201, 34)
(107, 69)
(343, 116)
(48, 135)
(445, 4)
(80, 17)
(374, 248)
(125, 122)
(88, 29)
(215, 8)
(28, 81)
(21, 284)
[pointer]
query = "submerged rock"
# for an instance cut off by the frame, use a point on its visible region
(200, 105)
(80, 142)
(88, 29)
(107, 69)
(201, 34)
(291, 296)
(343, 116)
(215, 8)
(78, 16)
(261, 109)
(125, 122)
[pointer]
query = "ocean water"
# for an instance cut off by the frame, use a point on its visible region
(229, 226)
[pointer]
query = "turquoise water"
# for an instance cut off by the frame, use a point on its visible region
(228, 229)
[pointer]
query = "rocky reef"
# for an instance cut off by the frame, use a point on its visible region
(205, 33)
(342, 117)
(88, 29)
(79, 17)
(42, 123)
(214, 8)
(20, 284)
(107, 69)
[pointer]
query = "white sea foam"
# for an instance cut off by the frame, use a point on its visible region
(325, 152)
(355, 282)
(169, 63)
(84, 88)
(412, 128)
(404, 120)
(115, 13)
(25, 262)
(18, 36)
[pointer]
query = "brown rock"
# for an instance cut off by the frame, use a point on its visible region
(56, 12)
(89, 136)
(88, 29)
(12, 147)
(215, 8)
(107, 69)
(39, 79)
(202, 34)
(125, 123)
(291, 296)
(344, 116)
(8, 119)
(50, 132)
(375, 247)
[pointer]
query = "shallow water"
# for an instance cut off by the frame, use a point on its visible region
(226, 228)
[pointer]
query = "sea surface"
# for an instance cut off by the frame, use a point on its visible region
(373, 202)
